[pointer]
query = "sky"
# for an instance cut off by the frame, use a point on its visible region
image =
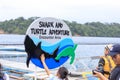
(81, 11)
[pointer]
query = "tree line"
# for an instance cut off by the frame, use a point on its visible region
(20, 25)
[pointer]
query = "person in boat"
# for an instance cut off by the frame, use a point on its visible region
(3, 75)
(115, 73)
(61, 73)
(106, 64)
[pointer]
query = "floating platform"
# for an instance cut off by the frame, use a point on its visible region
(29, 73)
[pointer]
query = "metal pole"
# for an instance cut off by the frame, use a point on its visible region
(35, 72)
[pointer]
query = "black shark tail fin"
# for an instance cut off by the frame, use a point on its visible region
(55, 52)
(29, 44)
(39, 45)
(54, 55)
(28, 61)
(29, 48)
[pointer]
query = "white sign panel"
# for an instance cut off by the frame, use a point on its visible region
(49, 29)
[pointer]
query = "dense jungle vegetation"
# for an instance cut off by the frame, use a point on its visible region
(20, 25)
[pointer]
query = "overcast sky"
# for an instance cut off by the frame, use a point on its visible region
(80, 11)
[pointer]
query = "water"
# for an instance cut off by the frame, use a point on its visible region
(11, 39)
(84, 60)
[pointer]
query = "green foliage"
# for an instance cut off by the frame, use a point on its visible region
(20, 25)
(17, 26)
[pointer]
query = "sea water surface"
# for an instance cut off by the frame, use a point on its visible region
(85, 58)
